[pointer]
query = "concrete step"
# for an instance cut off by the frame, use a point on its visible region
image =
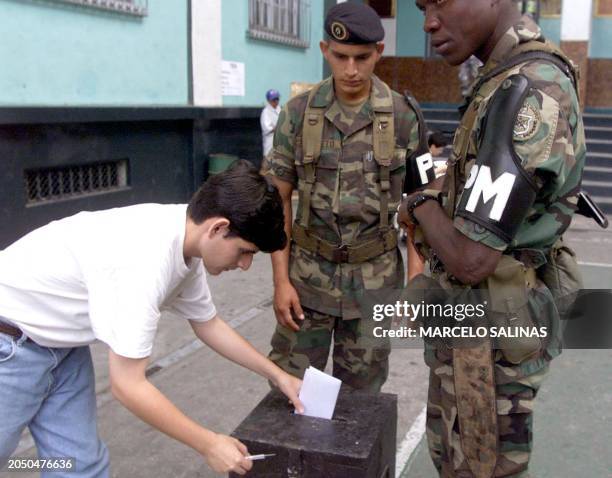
(444, 125)
(601, 160)
(441, 114)
(599, 145)
(598, 173)
(598, 133)
(597, 119)
(601, 189)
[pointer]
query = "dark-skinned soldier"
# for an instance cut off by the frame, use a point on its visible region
(509, 194)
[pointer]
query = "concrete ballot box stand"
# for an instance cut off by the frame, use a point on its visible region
(358, 442)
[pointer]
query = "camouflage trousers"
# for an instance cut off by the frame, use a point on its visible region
(360, 360)
(515, 394)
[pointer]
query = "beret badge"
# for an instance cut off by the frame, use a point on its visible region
(339, 31)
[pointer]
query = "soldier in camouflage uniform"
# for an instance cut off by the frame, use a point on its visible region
(343, 241)
(480, 403)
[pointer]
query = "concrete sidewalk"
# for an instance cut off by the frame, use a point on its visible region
(572, 418)
(212, 390)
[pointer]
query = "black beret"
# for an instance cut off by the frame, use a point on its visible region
(353, 23)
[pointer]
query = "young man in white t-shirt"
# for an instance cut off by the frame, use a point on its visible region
(107, 276)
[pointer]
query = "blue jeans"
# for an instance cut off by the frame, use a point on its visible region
(51, 391)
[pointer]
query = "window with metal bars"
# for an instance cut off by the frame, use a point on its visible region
(71, 182)
(282, 21)
(129, 7)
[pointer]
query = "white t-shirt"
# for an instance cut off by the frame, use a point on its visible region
(103, 275)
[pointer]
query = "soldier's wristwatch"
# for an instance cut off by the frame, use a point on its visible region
(416, 200)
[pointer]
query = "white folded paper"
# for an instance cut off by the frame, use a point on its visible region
(319, 393)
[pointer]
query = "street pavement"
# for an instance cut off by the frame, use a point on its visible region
(572, 419)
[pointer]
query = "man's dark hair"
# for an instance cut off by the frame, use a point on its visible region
(252, 205)
(438, 139)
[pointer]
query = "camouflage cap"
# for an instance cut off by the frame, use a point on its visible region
(353, 23)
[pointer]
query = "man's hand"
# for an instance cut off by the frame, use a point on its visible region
(416, 262)
(227, 454)
(406, 220)
(286, 301)
(403, 218)
(290, 386)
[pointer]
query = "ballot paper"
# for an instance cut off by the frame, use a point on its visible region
(319, 393)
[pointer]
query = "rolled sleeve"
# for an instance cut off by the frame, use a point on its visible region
(194, 302)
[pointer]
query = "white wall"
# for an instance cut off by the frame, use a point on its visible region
(390, 26)
(576, 20)
(206, 52)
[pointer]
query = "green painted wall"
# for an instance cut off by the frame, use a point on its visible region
(58, 54)
(268, 64)
(551, 28)
(410, 34)
(601, 38)
(411, 38)
(601, 35)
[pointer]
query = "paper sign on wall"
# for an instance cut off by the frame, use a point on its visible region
(232, 78)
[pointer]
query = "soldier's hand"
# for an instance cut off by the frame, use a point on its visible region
(403, 218)
(287, 306)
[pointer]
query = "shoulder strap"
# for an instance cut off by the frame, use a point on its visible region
(526, 52)
(456, 163)
(419, 164)
(383, 133)
(383, 137)
(312, 133)
(533, 50)
(423, 147)
(312, 128)
(548, 51)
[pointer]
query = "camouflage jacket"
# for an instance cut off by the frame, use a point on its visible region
(345, 201)
(549, 139)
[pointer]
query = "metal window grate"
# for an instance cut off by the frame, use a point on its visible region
(70, 182)
(282, 21)
(129, 7)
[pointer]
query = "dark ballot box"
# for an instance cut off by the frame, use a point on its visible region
(359, 441)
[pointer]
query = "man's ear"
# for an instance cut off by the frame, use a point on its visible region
(380, 47)
(324, 46)
(219, 225)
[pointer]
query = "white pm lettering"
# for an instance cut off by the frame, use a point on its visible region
(499, 189)
(424, 164)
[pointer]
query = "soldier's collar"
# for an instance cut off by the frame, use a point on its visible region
(522, 31)
(379, 100)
